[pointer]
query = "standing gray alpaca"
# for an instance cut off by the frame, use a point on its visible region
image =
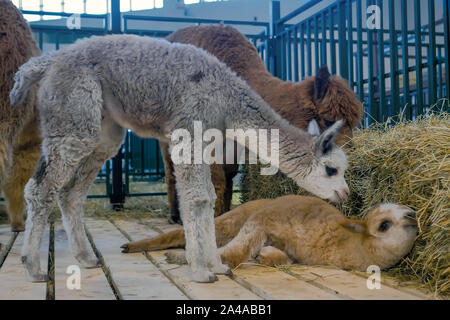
(91, 91)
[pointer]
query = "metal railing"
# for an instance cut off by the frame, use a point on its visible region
(400, 66)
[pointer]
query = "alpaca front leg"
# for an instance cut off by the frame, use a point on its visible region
(40, 196)
(197, 211)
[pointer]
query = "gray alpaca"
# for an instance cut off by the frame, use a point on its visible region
(93, 90)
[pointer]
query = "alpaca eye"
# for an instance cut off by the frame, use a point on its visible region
(329, 123)
(384, 226)
(331, 171)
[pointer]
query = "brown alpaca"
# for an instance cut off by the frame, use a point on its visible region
(19, 129)
(305, 230)
(323, 98)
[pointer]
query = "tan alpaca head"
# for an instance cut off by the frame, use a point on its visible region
(394, 227)
(389, 231)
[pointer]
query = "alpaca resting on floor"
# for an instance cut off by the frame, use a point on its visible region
(324, 98)
(19, 130)
(302, 229)
(92, 91)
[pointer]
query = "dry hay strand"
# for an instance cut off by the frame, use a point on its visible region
(406, 163)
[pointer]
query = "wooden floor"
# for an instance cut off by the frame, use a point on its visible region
(149, 276)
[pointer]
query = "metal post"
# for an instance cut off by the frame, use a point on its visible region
(275, 52)
(117, 196)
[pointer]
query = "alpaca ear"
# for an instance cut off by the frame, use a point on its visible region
(325, 141)
(355, 226)
(321, 83)
(313, 128)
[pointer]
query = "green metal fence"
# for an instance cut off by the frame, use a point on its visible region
(394, 53)
(401, 65)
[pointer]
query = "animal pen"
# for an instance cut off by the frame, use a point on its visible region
(394, 54)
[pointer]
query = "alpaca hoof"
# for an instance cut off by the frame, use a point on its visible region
(89, 262)
(20, 227)
(204, 277)
(125, 248)
(97, 264)
(38, 277)
(222, 269)
(175, 220)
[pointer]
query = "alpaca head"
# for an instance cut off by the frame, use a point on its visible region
(394, 228)
(326, 176)
(390, 229)
(334, 100)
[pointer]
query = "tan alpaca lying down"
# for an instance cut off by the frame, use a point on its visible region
(305, 230)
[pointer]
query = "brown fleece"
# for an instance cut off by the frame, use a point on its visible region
(302, 229)
(19, 129)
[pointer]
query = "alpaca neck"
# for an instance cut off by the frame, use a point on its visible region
(295, 146)
(379, 255)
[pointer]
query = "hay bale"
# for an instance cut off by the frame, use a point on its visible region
(407, 163)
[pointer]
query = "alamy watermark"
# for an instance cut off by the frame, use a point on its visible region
(74, 22)
(374, 280)
(208, 147)
(373, 17)
(73, 281)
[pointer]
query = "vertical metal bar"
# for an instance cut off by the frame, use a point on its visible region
(372, 107)
(127, 163)
(302, 51)
(324, 39)
(289, 55)
(395, 103)
(282, 58)
(332, 42)
(383, 111)
(267, 48)
(157, 157)
(57, 40)
(359, 50)
(115, 16)
(316, 42)
(405, 60)
(296, 72)
(432, 90)
(308, 48)
(350, 42)
(419, 79)
(342, 40)
(117, 197)
(446, 7)
(274, 30)
(440, 76)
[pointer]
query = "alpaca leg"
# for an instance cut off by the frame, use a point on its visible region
(73, 197)
(272, 256)
(170, 181)
(230, 172)
(219, 182)
(246, 244)
(40, 194)
(197, 209)
(25, 157)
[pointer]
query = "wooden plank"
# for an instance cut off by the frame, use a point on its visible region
(272, 283)
(134, 276)
(223, 289)
(347, 284)
(13, 282)
(6, 240)
(160, 225)
(94, 284)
